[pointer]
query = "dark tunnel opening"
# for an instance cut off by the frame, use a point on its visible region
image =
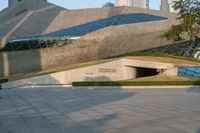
(146, 72)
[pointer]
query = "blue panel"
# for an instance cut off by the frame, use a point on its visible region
(96, 25)
(83, 29)
(182, 70)
(189, 71)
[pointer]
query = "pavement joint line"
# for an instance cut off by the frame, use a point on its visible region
(110, 87)
(135, 87)
(149, 115)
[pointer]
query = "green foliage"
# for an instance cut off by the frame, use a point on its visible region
(137, 83)
(3, 80)
(189, 17)
(159, 54)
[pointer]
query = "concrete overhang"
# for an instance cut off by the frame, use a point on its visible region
(146, 64)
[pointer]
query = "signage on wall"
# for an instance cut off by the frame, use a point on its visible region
(107, 70)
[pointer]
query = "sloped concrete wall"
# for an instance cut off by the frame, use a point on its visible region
(82, 16)
(30, 23)
(111, 71)
(122, 69)
(38, 21)
(10, 12)
(52, 20)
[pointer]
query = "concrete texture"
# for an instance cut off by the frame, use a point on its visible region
(74, 17)
(22, 7)
(66, 110)
(103, 43)
(31, 22)
(121, 69)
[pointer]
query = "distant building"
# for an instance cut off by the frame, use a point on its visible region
(167, 6)
(133, 3)
(14, 2)
(108, 5)
(120, 2)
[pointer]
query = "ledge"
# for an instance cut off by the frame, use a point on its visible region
(138, 83)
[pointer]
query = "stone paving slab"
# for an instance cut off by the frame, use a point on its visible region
(69, 110)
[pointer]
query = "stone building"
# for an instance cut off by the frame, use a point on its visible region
(133, 3)
(102, 32)
(167, 5)
(12, 3)
(23, 13)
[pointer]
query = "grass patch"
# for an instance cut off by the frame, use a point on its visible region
(136, 83)
(158, 54)
(3, 80)
(131, 55)
(146, 81)
(166, 78)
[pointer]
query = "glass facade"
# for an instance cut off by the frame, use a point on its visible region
(189, 71)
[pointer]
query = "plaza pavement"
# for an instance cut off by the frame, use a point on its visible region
(67, 110)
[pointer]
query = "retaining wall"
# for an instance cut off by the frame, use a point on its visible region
(122, 69)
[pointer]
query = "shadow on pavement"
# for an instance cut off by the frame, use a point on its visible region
(54, 109)
(193, 90)
(91, 126)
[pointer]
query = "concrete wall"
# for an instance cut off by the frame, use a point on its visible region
(46, 17)
(98, 45)
(122, 69)
(82, 16)
(29, 23)
(10, 12)
(111, 71)
(105, 43)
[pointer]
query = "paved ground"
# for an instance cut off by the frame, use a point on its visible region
(61, 110)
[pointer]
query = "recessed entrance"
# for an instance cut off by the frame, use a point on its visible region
(146, 72)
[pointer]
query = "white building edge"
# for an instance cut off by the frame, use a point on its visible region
(166, 5)
(133, 3)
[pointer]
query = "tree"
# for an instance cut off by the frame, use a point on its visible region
(189, 17)
(108, 5)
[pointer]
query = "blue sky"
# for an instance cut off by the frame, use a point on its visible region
(74, 4)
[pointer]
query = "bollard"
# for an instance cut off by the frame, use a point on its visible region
(0, 90)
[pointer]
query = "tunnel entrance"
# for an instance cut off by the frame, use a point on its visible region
(146, 72)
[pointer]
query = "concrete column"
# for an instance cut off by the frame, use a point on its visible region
(129, 73)
(5, 64)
